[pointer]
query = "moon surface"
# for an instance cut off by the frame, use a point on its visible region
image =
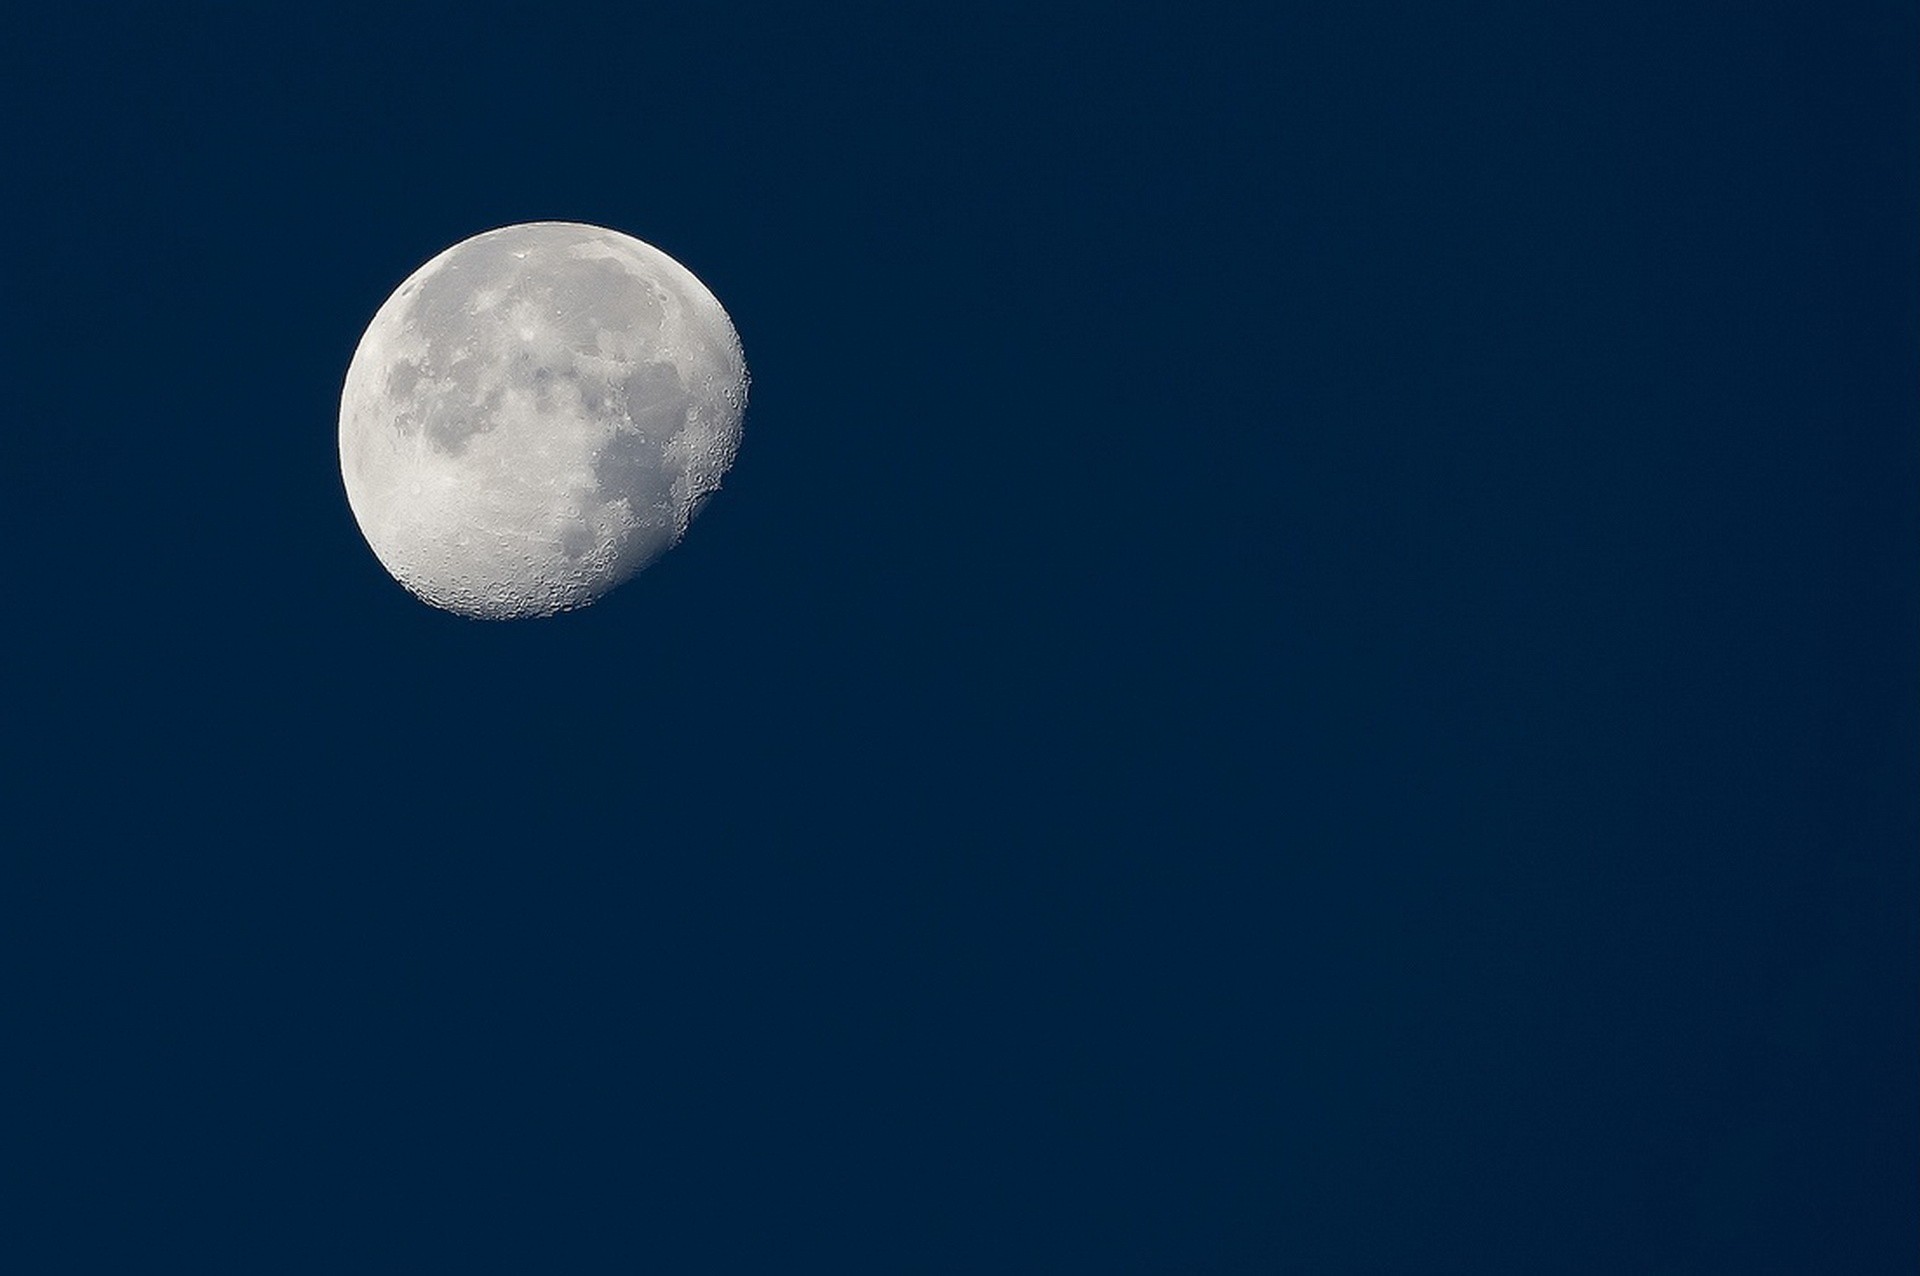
(535, 415)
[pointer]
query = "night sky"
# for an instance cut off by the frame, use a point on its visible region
(1309, 664)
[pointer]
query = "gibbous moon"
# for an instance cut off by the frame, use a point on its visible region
(535, 415)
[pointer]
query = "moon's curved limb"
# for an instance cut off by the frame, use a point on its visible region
(535, 415)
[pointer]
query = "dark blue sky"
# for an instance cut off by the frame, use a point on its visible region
(1309, 664)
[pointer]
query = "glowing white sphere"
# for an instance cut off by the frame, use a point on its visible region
(535, 415)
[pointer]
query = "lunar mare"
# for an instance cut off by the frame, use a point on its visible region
(535, 415)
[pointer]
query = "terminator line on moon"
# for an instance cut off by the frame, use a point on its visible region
(535, 415)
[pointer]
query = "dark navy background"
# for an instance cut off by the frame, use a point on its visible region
(1309, 664)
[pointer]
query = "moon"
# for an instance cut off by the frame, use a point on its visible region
(535, 415)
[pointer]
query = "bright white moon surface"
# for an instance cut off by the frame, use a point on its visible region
(535, 415)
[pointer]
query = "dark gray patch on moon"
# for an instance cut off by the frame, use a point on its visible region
(630, 466)
(656, 401)
(593, 295)
(449, 424)
(401, 379)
